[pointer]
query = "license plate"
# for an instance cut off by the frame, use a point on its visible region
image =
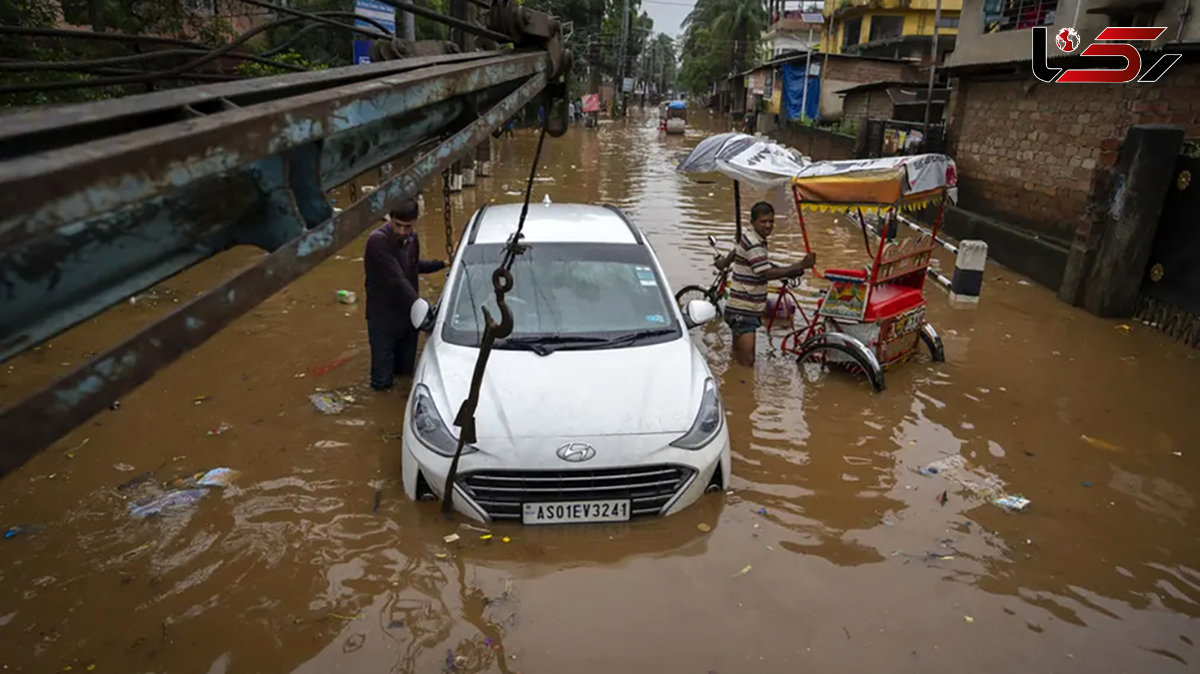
(564, 512)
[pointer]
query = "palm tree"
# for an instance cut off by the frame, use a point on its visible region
(739, 24)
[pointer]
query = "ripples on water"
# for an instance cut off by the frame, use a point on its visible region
(314, 562)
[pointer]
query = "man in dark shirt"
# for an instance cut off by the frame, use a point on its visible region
(392, 262)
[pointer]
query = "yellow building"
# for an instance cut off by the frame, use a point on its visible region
(889, 28)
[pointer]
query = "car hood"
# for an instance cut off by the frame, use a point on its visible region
(641, 389)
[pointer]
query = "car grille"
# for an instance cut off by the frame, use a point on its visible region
(649, 488)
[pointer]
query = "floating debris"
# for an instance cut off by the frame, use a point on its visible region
(704, 527)
(124, 467)
(451, 538)
(1012, 502)
(1101, 444)
(219, 429)
(167, 503)
(328, 444)
(744, 571)
(23, 529)
(346, 297)
(327, 403)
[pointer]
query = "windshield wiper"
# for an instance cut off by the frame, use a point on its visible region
(635, 336)
(542, 344)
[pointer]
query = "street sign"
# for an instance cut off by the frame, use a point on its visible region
(627, 85)
(372, 9)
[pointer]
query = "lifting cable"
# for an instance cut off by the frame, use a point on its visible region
(446, 215)
(502, 283)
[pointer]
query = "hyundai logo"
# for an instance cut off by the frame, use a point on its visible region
(575, 452)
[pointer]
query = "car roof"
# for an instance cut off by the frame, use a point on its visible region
(554, 223)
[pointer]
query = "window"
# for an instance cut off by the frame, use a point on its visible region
(886, 27)
(580, 291)
(1002, 15)
(948, 22)
(851, 30)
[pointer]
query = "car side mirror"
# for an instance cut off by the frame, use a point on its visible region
(712, 241)
(699, 312)
(422, 315)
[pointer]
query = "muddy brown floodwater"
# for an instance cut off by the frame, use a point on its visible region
(830, 552)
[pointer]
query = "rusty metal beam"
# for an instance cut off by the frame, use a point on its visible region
(68, 125)
(63, 187)
(46, 416)
(83, 227)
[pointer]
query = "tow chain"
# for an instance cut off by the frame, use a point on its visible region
(502, 283)
(447, 216)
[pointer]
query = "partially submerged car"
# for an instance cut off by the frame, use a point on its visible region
(597, 408)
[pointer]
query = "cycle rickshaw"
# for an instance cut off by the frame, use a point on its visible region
(871, 318)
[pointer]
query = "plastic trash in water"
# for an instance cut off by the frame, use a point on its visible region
(346, 297)
(217, 477)
(327, 403)
(1011, 502)
(22, 529)
(169, 502)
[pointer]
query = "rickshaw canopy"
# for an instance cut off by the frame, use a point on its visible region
(908, 182)
(677, 105)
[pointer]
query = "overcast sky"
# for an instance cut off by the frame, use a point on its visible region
(668, 14)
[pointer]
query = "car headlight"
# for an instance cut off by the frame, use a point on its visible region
(428, 426)
(708, 420)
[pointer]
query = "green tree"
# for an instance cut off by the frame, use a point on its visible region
(721, 38)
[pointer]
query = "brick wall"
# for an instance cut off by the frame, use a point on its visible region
(867, 70)
(1039, 158)
(863, 105)
(816, 143)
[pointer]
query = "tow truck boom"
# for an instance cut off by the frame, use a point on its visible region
(102, 200)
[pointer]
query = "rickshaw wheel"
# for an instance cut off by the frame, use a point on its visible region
(817, 353)
(933, 342)
(688, 293)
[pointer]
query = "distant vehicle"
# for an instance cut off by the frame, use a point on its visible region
(597, 408)
(676, 117)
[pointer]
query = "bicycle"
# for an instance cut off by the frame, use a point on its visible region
(718, 292)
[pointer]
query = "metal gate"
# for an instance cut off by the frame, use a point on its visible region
(1170, 295)
(891, 138)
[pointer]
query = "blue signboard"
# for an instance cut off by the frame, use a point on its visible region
(373, 9)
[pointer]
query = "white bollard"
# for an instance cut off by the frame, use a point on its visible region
(456, 182)
(420, 203)
(485, 169)
(468, 176)
(968, 271)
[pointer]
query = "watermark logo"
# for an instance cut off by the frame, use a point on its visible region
(1111, 42)
(1067, 40)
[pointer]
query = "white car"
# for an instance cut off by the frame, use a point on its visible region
(597, 408)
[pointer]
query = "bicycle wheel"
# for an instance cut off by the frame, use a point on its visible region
(688, 293)
(825, 351)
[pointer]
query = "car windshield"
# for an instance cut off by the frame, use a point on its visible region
(565, 295)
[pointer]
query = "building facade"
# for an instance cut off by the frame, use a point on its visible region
(901, 29)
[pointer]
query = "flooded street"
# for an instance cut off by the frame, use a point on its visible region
(830, 551)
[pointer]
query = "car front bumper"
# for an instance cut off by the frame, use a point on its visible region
(694, 472)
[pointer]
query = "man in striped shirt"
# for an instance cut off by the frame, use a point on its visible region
(748, 282)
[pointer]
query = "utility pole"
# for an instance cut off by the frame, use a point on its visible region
(620, 88)
(933, 59)
(410, 27)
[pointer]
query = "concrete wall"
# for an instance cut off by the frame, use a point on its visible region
(1032, 155)
(843, 72)
(816, 143)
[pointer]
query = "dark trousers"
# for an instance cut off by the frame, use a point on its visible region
(392, 353)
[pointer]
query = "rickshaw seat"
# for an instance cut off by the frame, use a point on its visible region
(859, 273)
(890, 299)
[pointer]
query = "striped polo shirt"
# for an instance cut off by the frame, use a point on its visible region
(747, 287)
